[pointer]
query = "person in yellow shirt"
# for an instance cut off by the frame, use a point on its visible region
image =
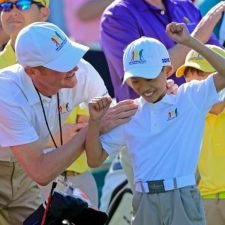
(211, 163)
(16, 18)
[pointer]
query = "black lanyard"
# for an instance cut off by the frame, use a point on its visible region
(46, 121)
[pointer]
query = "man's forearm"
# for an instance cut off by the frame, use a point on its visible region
(44, 167)
(93, 147)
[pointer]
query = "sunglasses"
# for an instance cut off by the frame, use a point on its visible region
(21, 5)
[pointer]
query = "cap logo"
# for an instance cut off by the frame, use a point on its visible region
(196, 57)
(166, 60)
(58, 41)
(137, 57)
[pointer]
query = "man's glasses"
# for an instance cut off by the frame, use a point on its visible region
(22, 5)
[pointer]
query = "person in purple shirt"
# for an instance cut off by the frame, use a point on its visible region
(126, 20)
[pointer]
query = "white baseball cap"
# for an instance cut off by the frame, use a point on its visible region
(45, 44)
(145, 58)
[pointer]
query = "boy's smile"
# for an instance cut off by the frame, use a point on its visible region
(152, 90)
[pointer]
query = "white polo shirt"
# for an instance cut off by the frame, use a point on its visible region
(164, 139)
(22, 120)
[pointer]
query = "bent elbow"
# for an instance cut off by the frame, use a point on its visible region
(94, 164)
(41, 180)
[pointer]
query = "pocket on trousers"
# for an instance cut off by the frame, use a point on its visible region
(192, 204)
(136, 202)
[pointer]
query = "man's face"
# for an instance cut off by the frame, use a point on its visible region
(49, 82)
(14, 20)
(152, 90)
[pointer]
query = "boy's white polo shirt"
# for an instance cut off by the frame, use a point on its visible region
(164, 139)
(22, 120)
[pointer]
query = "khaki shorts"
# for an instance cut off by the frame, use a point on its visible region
(19, 195)
(214, 211)
(182, 206)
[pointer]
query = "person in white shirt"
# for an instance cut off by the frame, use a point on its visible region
(164, 136)
(36, 96)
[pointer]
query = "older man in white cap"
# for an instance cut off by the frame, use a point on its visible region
(50, 79)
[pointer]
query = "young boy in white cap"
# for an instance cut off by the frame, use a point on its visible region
(164, 166)
(211, 162)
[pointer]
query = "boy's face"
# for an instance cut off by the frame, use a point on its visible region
(196, 75)
(152, 90)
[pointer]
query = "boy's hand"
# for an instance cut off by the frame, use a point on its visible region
(98, 107)
(178, 32)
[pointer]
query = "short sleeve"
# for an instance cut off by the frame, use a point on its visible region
(15, 127)
(202, 94)
(114, 140)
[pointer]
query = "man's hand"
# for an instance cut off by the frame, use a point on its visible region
(118, 114)
(98, 107)
(178, 32)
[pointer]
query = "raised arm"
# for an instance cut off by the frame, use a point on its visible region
(179, 33)
(202, 32)
(95, 153)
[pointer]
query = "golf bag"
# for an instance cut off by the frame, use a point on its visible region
(68, 208)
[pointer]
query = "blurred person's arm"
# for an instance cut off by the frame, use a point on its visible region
(92, 9)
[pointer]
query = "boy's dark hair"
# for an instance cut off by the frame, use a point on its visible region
(189, 69)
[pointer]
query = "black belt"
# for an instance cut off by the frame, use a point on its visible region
(156, 186)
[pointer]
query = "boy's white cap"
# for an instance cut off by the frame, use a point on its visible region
(145, 58)
(45, 44)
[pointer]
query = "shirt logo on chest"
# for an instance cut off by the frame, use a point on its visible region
(64, 108)
(172, 114)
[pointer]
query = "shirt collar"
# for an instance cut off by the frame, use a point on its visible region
(167, 99)
(142, 5)
(29, 89)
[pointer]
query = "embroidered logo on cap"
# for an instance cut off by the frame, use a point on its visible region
(137, 57)
(58, 41)
(166, 60)
(196, 56)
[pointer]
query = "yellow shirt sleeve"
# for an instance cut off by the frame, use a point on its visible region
(80, 165)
